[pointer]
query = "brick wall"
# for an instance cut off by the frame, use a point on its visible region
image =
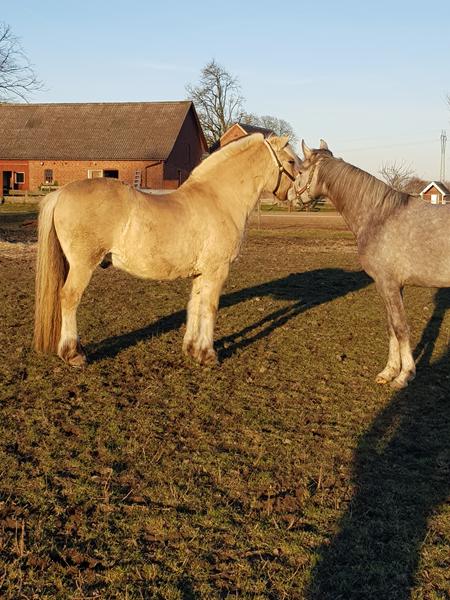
(67, 171)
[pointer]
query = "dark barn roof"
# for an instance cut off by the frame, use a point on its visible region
(91, 131)
(256, 129)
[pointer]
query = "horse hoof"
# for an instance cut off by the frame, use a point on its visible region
(397, 384)
(72, 353)
(189, 349)
(207, 357)
(386, 375)
(79, 361)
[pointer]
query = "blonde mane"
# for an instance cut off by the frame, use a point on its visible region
(232, 149)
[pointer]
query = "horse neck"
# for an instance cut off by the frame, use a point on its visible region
(360, 197)
(239, 180)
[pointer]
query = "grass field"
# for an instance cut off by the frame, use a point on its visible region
(283, 473)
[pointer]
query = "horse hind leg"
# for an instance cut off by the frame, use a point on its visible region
(69, 347)
(393, 366)
(392, 296)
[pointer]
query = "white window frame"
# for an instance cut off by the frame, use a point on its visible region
(48, 180)
(95, 173)
(19, 173)
(434, 198)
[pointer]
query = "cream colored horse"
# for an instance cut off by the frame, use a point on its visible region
(195, 231)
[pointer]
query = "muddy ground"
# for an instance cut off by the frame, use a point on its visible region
(284, 472)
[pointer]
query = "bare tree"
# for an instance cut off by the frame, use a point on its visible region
(278, 126)
(17, 78)
(415, 185)
(217, 99)
(398, 176)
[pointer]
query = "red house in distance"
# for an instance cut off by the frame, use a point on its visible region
(436, 193)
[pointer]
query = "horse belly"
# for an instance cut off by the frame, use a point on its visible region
(152, 265)
(429, 259)
(429, 273)
(427, 266)
(412, 254)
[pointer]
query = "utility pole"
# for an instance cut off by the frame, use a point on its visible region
(443, 144)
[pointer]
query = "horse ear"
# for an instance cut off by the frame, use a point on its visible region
(323, 145)
(279, 142)
(306, 150)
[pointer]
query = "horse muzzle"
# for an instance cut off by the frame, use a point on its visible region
(292, 194)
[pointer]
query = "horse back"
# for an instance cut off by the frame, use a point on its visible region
(413, 245)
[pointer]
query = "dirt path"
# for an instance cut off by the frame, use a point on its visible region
(302, 220)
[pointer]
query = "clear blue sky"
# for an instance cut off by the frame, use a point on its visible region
(371, 78)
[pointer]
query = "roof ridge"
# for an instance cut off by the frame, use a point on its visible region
(126, 103)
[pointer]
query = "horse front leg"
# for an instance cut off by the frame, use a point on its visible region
(69, 347)
(193, 319)
(202, 312)
(392, 296)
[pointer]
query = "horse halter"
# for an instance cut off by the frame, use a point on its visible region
(306, 188)
(281, 169)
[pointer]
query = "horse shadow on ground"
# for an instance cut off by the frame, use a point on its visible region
(302, 291)
(402, 478)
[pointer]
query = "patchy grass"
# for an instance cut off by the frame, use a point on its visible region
(14, 207)
(285, 472)
(18, 224)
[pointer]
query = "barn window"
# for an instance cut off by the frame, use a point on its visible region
(434, 198)
(113, 173)
(93, 173)
(19, 177)
(48, 176)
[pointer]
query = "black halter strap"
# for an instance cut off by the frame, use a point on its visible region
(306, 188)
(281, 169)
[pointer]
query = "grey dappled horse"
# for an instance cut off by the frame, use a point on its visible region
(401, 240)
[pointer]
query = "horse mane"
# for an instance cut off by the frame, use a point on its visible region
(350, 185)
(231, 149)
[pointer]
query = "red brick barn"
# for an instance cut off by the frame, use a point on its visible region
(436, 193)
(149, 144)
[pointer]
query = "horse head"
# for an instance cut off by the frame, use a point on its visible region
(307, 188)
(287, 164)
